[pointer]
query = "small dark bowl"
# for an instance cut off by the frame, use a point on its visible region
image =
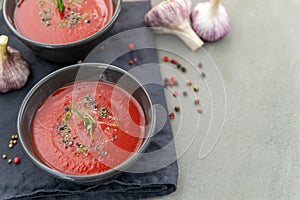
(85, 71)
(61, 53)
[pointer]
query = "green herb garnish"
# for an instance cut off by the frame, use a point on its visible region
(60, 5)
(67, 117)
(88, 116)
(80, 115)
(88, 120)
(90, 124)
(41, 2)
(104, 112)
(70, 2)
(82, 149)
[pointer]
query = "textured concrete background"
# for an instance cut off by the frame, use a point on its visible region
(258, 154)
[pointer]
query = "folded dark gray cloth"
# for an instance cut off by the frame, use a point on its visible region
(25, 181)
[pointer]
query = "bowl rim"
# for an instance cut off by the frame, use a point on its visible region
(91, 177)
(88, 39)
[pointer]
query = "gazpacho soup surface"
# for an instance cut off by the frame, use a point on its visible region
(87, 127)
(41, 21)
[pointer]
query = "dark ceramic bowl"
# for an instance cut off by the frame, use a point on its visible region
(85, 71)
(60, 53)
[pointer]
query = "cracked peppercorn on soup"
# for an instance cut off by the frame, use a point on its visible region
(87, 127)
(41, 21)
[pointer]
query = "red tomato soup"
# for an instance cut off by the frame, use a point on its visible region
(40, 20)
(87, 127)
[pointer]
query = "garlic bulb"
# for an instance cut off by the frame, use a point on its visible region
(173, 16)
(14, 71)
(210, 20)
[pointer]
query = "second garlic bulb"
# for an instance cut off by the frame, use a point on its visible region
(210, 20)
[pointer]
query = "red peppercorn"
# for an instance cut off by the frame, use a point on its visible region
(130, 46)
(189, 83)
(17, 160)
(174, 61)
(171, 115)
(175, 93)
(173, 78)
(170, 83)
(166, 58)
(134, 59)
(130, 62)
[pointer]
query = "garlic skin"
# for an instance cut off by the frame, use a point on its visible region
(210, 20)
(169, 14)
(14, 70)
(173, 16)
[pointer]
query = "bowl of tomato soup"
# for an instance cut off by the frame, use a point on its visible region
(62, 34)
(86, 123)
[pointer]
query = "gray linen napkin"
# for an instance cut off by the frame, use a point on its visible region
(25, 181)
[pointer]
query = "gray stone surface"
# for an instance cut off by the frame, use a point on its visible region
(257, 156)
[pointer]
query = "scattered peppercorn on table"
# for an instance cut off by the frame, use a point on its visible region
(256, 157)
